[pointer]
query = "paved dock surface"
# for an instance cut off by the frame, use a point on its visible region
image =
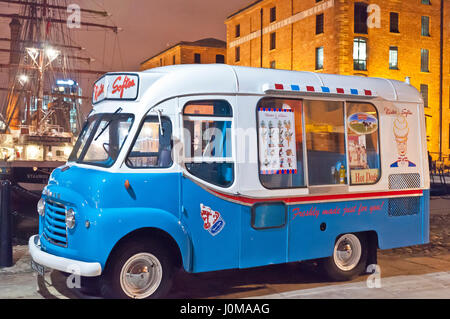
(410, 272)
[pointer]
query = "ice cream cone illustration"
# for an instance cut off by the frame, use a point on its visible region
(401, 132)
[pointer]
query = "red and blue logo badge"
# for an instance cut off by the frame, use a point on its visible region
(212, 220)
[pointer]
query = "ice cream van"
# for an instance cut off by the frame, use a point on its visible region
(212, 167)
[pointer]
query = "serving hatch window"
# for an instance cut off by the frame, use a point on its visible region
(363, 143)
(208, 141)
(325, 136)
(280, 143)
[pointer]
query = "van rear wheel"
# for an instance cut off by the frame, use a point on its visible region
(139, 271)
(349, 257)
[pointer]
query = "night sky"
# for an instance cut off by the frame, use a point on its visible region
(149, 26)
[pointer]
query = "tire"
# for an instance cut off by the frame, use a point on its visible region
(349, 258)
(138, 271)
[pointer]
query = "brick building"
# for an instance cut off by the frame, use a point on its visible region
(397, 39)
(203, 51)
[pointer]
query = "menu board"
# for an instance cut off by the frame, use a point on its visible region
(277, 148)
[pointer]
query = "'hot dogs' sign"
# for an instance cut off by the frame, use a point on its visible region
(116, 87)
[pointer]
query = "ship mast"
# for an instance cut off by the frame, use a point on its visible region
(38, 17)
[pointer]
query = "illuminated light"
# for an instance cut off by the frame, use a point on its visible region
(127, 184)
(279, 87)
(23, 79)
(51, 53)
(65, 82)
(33, 152)
(310, 89)
(33, 53)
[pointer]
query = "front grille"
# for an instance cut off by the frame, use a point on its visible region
(55, 223)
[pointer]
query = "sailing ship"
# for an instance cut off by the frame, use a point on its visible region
(40, 110)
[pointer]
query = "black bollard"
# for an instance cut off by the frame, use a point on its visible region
(6, 250)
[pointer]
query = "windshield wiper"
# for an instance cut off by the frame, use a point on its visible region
(107, 124)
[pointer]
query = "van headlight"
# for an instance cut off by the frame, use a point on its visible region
(70, 218)
(41, 207)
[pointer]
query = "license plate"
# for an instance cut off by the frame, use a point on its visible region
(38, 268)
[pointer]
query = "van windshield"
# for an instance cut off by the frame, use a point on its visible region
(101, 139)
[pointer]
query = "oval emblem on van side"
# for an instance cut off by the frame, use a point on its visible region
(363, 123)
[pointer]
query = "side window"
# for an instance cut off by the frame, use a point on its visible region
(280, 143)
(153, 146)
(325, 135)
(363, 143)
(208, 148)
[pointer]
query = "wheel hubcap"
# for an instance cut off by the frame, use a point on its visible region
(141, 275)
(347, 252)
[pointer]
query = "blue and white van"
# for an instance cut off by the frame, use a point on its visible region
(210, 167)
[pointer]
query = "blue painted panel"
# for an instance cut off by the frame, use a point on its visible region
(261, 246)
(113, 211)
(215, 231)
(308, 241)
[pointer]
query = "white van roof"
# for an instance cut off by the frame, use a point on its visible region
(158, 84)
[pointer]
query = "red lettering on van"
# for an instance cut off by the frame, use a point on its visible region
(121, 87)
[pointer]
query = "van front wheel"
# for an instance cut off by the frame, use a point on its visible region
(349, 257)
(139, 271)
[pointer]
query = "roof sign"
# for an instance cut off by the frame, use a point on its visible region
(116, 87)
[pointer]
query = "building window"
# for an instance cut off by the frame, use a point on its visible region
(363, 143)
(153, 147)
(160, 62)
(425, 26)
(197, 58)
(208, 141)
(319, 58)
(273, 14)
(237, 54)
(273, 41)
(393, 58)
(424, 92)
(424, 56)
(238, 31)
(220, 58)
(280, 141)
(393, 22)
(319, 23)
(426, 2)
(272, 64)
(360, 54)
(325, 146)
(360, 18)
(173, 60)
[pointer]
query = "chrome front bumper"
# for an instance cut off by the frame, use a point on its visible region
(62, 264)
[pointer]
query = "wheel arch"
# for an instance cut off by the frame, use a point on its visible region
(180, 249)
